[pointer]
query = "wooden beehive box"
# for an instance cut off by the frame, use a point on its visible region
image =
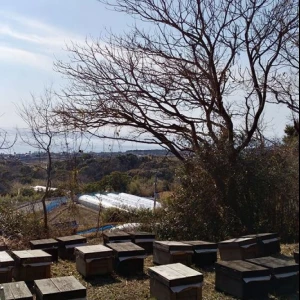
(238, 249)
(285, 274)
(16, 290)
(128, 257)
(6, 267)
(169, 252)
(242, 279)
(116, 237)
(205, 253)
(59, 288)
(144, 240)
(31, 265)
(94, 260)
(175, 282)
(48, 245)
(267, 243)
(67, 244)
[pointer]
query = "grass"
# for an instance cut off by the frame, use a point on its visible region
(116, 287)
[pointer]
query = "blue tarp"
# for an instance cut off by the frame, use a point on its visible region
(91, 230)
(55, 203)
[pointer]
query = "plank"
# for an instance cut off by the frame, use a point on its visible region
(71, 239)
(175, 274)
(172, 246)
(262, 236)
(116, 234)
(20, 290)
(67, 287)
(238, 241)
(201, 244)
(44, 243)
(68, 283)
(126, 249)
(242, 269)
(7, 292)
(275, 264)
(46, 287)
(5, 259)
(93, 251)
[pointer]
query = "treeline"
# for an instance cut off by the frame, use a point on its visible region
(87, 173)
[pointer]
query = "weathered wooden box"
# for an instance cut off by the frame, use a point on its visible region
(6, 267)
(144, 240)
(267, 243)
(175, 282)
(94, 260)
(60, 288)
(285, 274)
(242, 279)
(16, 290)
(128, 258)
(31, 265)
(169, 252)
(116, 237)
(67, 244)
(238, 249)
(205, 253)
(48, 245)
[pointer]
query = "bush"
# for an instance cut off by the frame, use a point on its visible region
(261, 194)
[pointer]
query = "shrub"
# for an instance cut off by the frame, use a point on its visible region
(261, 194)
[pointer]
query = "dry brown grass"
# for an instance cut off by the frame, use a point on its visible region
(116, 287)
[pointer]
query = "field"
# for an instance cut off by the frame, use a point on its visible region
(116, 287)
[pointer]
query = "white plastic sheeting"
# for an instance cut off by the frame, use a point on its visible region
(121, 201)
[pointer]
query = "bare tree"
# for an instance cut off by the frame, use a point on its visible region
(5, 143)
(286, 84)
(40, 135)
(196, 81)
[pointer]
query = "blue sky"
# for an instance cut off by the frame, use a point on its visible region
(33, 34)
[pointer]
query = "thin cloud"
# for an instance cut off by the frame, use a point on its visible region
(31, 42)
(19, 56)
(34, 31)
(53, 41)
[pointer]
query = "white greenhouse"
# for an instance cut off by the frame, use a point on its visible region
(120, 201)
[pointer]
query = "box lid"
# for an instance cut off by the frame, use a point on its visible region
(116, 235)
(16, 290)
(64, 287)
(142, 235)
(126, 249)
(175, 275)
(31, 256)
(202, 245)
(238, 242)
(276, 265)
(43, 243)
(93, 251)
(6, 260)
(241, 269)
(71, 240)
(168, 246)
(263, 236)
